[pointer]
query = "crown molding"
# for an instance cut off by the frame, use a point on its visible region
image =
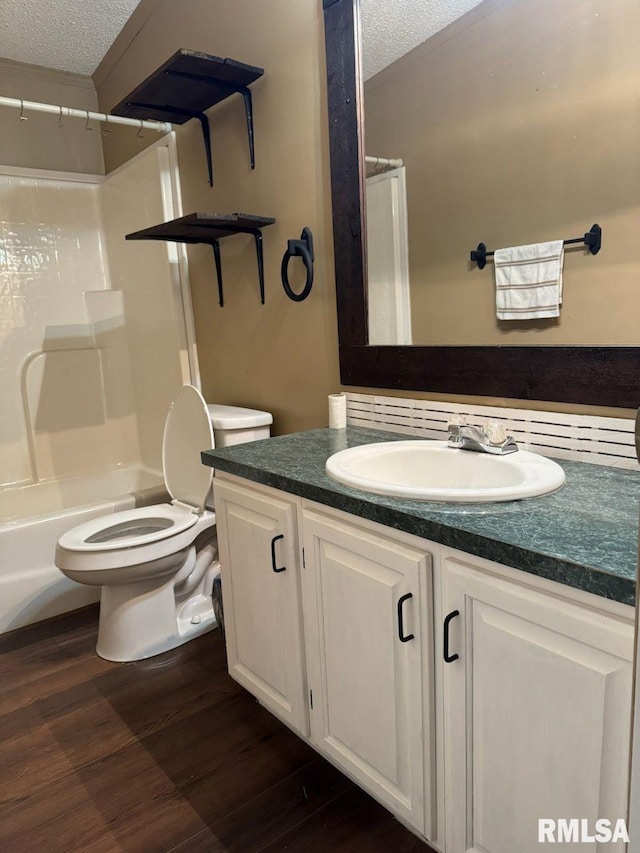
(49, 75)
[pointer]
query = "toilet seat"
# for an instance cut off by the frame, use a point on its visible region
(88, 562)
(129, 528)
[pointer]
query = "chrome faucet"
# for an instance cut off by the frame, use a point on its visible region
(490, 439)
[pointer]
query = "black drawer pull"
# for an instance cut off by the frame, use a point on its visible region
(404, 638)
(273, 554)
(445, 642)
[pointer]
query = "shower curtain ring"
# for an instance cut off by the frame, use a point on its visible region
(86, 124)
(60, 120)
(105, 130)
(22, 116)
(140, 134)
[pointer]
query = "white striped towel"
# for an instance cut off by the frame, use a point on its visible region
(529, 281)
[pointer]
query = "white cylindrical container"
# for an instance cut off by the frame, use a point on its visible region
(337, 411)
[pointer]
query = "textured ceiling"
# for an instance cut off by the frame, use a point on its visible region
(391, 28)
(70, 35)
(74, 35)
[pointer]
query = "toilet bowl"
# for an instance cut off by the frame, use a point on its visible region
(156, 564)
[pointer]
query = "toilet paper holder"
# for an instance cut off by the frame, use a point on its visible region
(302, 248)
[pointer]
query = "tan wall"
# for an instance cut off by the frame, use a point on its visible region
(517, 124)
(39, 143)
(282, 356)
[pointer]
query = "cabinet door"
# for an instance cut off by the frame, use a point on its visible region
(536, 712)
(257, 537)
(367, 603)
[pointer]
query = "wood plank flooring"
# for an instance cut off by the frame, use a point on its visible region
(161, 756)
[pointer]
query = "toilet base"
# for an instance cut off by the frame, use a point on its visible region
(142, 619)
(126, 653)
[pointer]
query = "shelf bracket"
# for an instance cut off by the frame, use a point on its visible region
(248, 109)
(215, 245)
(206, 138)
(232, 89)
(260, 258)
(202, 118)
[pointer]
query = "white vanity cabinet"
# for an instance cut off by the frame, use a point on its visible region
(260, 567)
(367, 684)
(536, 711)
(368, 625)
(470, 698)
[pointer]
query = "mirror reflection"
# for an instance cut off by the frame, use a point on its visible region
(508, 122)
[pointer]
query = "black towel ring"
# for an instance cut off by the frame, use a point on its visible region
(303, 248)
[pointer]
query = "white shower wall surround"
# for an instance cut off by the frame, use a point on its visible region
(50, 254)
(92, 348)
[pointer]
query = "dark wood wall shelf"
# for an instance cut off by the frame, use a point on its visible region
(210, 228)
(188, 84)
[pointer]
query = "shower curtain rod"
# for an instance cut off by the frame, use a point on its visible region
(87, 115)
(384, 162)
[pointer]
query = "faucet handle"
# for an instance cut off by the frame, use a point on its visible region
(496, 432)
(456, 421)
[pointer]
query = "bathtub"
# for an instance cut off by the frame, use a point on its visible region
(34, 516)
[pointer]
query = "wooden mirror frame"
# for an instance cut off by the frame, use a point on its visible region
(602, 376)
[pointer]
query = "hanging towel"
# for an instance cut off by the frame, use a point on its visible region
(529, 281)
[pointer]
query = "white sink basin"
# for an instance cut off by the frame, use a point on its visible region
(431, 471)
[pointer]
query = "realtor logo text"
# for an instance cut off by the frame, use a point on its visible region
(580, 831)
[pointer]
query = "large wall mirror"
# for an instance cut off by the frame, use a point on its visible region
(501, 121)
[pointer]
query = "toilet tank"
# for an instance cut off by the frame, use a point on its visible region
(235, 425)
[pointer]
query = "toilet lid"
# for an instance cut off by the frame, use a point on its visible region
(187, 432)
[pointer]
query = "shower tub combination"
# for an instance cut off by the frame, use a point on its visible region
(96, 335)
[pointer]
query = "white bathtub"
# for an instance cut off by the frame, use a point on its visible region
(33, 517)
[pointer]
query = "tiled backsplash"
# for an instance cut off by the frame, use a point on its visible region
(603, 441)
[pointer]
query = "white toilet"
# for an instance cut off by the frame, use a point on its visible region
(156, 564)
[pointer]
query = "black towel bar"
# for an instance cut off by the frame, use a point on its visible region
(592, 239)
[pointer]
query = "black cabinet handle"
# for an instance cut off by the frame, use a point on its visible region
(404, 638)
(273, 554)
(445, 642)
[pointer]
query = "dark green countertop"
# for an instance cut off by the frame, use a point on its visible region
(584, 535)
